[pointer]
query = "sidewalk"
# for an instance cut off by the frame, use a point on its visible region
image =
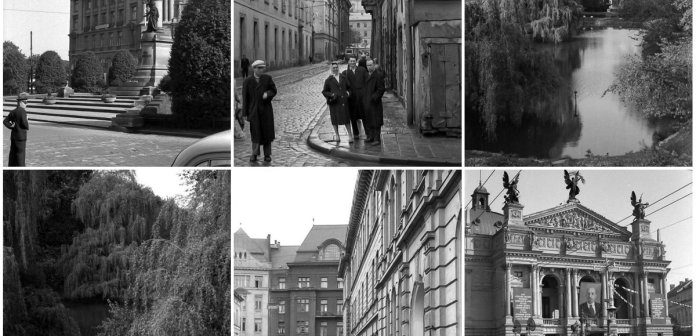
(401, 144)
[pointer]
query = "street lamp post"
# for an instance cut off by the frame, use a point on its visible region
(611, 310)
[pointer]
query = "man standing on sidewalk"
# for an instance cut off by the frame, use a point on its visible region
(357, 76)
(245, 66)
(374, 115)
(257, 92)
(18, 123)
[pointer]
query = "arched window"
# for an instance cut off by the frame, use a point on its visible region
(331, 252)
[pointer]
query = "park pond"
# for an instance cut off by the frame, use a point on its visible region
(582, 116)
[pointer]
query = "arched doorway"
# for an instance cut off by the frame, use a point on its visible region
(550, 301)
(417, 309)
(621, 293)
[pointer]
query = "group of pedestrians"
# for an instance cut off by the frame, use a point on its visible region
(354, 97)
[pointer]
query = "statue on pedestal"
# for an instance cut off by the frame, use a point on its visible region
(512, 195)
(572, 180)
(638, 206)
(152, 16)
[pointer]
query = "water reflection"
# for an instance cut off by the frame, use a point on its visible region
(602, 124)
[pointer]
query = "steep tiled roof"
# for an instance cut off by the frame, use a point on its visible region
(320, 233)
(281, 256)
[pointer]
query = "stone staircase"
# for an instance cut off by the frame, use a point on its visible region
(79, 110)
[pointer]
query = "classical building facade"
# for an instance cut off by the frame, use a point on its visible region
(287, 32)
(418, 44)
(252, 266)
(402, 257)
(306, 295)
(106, 26)
(362, 24)
(538, 274)
(681, 306)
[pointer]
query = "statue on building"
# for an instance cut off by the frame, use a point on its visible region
(572, 180)
(512, 195)
(638, 206)
(152, 16)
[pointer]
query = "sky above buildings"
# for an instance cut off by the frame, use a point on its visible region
(48, 19)
(283, 202)
(608, 192)
(165, 183)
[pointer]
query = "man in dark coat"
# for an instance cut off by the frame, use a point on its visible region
(363, 62)
(374, 115)
(18, 123)
(245, 66)
(257, 92)
(357, 76)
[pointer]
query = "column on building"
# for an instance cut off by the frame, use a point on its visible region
(646, 298)
(536, 289)
(664, 293)
(507, 288)
(561, 294)
(574, 291)
(568, 294)
(604, 294)
(636, 296)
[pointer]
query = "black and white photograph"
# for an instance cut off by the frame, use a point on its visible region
(348, 252)
(116, 253)
(578, 252)
(347, 83)
(578, 83)
(117, 83)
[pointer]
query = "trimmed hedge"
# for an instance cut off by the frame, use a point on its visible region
(50, 73)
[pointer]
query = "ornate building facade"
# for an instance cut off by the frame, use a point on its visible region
(402, 256)
(306, 293)
(681, 306)
(418, 45)
(252, 265)
(566, 270)
(106, 26)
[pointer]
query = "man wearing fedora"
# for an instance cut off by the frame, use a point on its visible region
(18, 123)
(257, 92)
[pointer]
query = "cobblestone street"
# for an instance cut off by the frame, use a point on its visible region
(52, 145)
(297, 108)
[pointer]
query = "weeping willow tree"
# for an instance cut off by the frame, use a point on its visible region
(118, 214)
(506, 76)
(179, 280)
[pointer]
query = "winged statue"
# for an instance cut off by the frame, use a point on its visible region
(512, 195)
(572, 180)
(638, 206)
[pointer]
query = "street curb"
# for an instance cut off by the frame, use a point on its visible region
(315, 143)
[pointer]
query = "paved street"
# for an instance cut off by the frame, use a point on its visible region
(53, 145)
(297, 108)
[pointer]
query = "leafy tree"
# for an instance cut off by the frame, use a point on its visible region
(50, 73)
(123, 66)
(199, 66)
(14, 69)
(355, 36)
(87, 75)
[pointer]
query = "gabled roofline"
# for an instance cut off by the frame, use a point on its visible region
(569, 206)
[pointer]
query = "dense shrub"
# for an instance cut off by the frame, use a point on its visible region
(87, 74)
(199, 66)
(50, 73)
(123, 66)
(14, 69)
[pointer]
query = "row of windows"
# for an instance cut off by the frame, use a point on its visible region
(303, 328)
(99, 41)
(305, 282)
(246, 281)
(303, 306)
(258, 324)
(357, 25)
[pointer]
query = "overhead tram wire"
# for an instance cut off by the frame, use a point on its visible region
(629, 216)
(678, 199)
(484, 183)
(675, 223)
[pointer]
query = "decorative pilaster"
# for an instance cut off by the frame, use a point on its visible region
(536, 290)
(646, 298)
(636, 296)
(508, 290)
(664, 293)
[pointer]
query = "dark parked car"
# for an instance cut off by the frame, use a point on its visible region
(211, 151)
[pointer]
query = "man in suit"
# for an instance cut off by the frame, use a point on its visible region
(372, 102)
(357, 76)
(591, 308)
(257, 92)
(18, 123)
(245, 66)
